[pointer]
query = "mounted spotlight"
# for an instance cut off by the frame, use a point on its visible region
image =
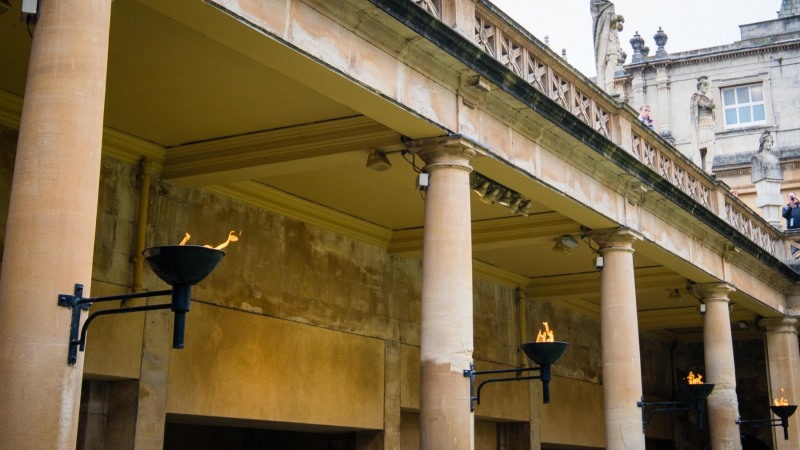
(544, 353)
(565, 244)
(378, 161)
(492, 192)
(525, 208)
(491, 197)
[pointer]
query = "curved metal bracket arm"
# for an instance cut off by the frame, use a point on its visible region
(758, 423)
(77, 303)
(475, 397)
(675, 407)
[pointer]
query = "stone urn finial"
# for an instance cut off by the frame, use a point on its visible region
(661, 40)
(637, 43)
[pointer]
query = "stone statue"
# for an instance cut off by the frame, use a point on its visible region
(702, 117)
(606, 27)
(766, 175)
(765, 163)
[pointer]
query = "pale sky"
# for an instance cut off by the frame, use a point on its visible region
(689, 24)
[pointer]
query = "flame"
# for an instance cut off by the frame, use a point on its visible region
(781, 401)
(694, 379)
(231, 238)
(547, 335)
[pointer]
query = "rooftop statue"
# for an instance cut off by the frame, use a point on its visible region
(606, 25)
(701, 114)
(765, 163)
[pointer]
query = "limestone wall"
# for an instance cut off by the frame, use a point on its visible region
(291, 327)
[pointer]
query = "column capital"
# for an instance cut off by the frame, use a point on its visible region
(444, 151)
(779, 324)
(615, 239)
(709, 292)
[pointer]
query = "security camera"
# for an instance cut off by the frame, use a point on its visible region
(598, 263)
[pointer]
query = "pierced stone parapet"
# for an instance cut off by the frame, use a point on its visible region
(551, 80)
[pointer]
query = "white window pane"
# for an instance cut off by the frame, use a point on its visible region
(744, 115)
(730, 117)
(758, 113)
(729, 97)
(757, 92)
(743, 94)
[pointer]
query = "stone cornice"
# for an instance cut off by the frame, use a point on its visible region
(495, 233)
(719, 54)
(240, 158)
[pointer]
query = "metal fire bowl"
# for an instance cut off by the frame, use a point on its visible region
(182, 264)
(698, 391)
(784, 412)
(544, 353)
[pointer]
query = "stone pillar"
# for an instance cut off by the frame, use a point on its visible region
(446, 422)
(638, 86)
(622, 372)
(151, 411)
(50, 231)
(783, 364)
(723, 405)
(459, 14)
(770, 201)
(662, 117)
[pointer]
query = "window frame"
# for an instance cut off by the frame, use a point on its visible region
(738, 105)
(720, 85)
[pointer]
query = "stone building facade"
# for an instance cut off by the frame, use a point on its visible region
(753, 85)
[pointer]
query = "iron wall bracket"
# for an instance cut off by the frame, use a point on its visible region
(77, 302)
(545, 375)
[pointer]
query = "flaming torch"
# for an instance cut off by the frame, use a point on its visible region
(545, 352)
(546, 335)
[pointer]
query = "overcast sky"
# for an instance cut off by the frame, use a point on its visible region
(689, 24)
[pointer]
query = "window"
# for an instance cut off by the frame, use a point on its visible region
(744, 105)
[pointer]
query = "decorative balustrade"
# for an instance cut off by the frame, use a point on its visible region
(663, 163)
(524, 62)
(742, 219)
(527, 60)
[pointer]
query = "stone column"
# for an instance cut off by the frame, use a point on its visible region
(446, 422)
(622, 371)
(723, 405)
(783, 364)
(49, 239)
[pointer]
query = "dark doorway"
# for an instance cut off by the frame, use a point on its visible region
(199, 437)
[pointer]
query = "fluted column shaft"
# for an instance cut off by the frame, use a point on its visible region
(446, 422)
